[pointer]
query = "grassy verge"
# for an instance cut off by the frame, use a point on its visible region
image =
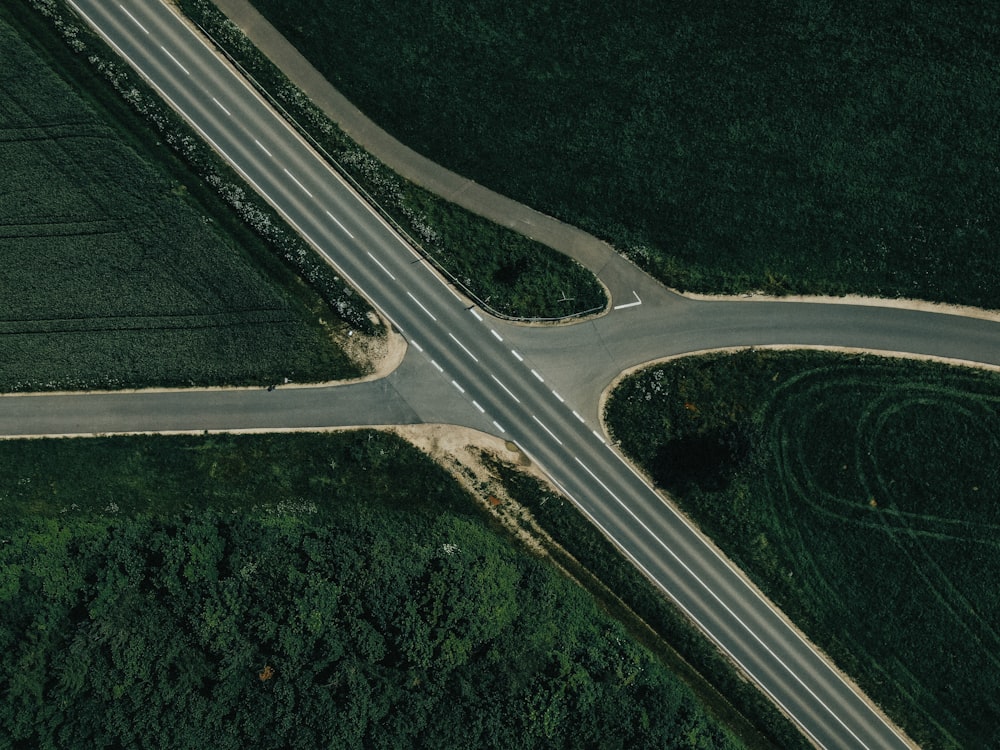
(791, 148)
(121, 268)
(861, 494)
(507, 273)
(307, 590)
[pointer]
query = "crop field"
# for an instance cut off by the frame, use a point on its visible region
(860, 493)
(112, 272)
(789, 147)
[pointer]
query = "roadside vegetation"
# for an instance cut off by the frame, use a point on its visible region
(304, 590)
(861, 494)
(504, 271)
(119, 267)
(790, 148)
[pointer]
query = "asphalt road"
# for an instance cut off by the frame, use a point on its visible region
(537, 387)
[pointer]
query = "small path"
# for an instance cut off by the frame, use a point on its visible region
(618, 275)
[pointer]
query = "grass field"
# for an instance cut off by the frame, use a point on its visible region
(862, 494)
(791, 147)
(117, 268)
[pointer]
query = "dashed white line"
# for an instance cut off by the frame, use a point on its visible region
(230, 114)
(542, 425)
(537, 376)
(429, 313)
(340, 225)
(176, 61)
(509, 393)
(381, 266)
(418, 347)
(476, 315)
(261, 147)
(297, 182)
(519, 357)
(474, 359)
(460, 388)
(496, 335)
(497, 425)
(439, 367)
(561, 400)
(578, 416)
(598, 436)
(134, 19)
(481, 409)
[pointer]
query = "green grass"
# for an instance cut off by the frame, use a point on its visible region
(792, 147)
(507, 273)
(146, 582)
(862, 495)
(117, 267)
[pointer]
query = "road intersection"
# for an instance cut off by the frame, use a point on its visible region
(537, 386)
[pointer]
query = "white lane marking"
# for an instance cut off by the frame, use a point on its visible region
(261, 147)
(509, 393)
(429, 313)
(460, 388)
(297, 182)
(418, 347)
(598, 436)
(715, 596)
(176, 61)
(474, 359)
(496, 335)
(561, 400)
(578, 416)
(542, 425)
(481, 409)
(630, 304)
(497, 425)
(381, 266)
(476, 315)
(221, 107)
(134, 19)
(341, 225)
(539, 377)
(440, 368)
(519, 357)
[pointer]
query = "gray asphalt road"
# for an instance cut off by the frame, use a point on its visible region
(533, 386)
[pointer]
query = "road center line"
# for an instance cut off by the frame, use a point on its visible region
(341, 225)
(134, 19)
(176, 61)
(509, 393)
(496, 335)
(474, 359)
(297, 182)
(381, 266)
(429, 313)
(230, 114)
(261, 147)
(542, 425)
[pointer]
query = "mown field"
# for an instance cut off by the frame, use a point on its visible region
(861, 494)
(302, 591)
(117, 269)
(791, 147)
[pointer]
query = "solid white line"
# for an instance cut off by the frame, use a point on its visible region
(481, 409)
(505, 388)
(496, 335)
(340, 225)
(476, 315)
(578, 416)
(474, 359)
(440, 368)
(418, 347)
(561, 401)
(597, 435)
(297, 182)
(460, 388)
(429, 313)
(261, 147)
(381, 266)
(221, 107)
(519, 357)
(551, 434)
(175, 60)
(540, 379)
(133, 18)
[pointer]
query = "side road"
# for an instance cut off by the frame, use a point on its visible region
(618, 274)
